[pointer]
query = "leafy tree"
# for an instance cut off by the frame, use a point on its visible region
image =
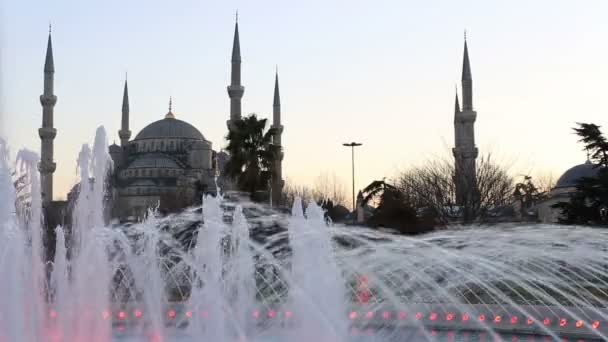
(252, 154)
(589, 203)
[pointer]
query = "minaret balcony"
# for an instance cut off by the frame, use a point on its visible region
(466, 116)
(47, 133)
(48, 100)
(236, 91)
(465, 153)
(124, 134)
(278, 129)
(46, 167)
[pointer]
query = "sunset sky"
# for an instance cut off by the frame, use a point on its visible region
(378, 72)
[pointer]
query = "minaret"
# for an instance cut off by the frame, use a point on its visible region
(235, 89)
(47, 132)
(125, 133)
(277, 182)
(465, 152)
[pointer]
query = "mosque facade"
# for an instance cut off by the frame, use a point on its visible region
(169, 163)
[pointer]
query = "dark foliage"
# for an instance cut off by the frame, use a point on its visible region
(589, 203)
(393, 210)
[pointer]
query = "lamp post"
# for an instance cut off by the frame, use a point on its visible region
(352, 145)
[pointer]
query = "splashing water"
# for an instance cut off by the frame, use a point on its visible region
(241, 272)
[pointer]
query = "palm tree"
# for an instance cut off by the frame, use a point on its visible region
(252, 154)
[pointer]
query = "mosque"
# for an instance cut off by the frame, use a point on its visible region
(169, 163)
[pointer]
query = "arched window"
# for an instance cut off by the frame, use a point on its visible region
(172, 145)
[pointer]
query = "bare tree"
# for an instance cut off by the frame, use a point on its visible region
(292, 190)
(329, 186)
(431, 188)
(545, 182)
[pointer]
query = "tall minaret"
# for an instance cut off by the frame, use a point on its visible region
(465, 151)
(235, 89)
(47, 132)
(125, 133)
(277, 181)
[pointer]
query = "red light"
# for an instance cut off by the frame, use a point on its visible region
(189, 314)
(53, 314)
(546, 321)
(418, 315)
(288, 314)
(514, 319)
(402, 314)
(497, 319)
(122, 315)
(465, 317)
(482, 317)
(530, 321)
(386, 315)
(433, 316)
(370, 314)
(563, 322)
(595, 324)
(272, 313)
(579, 324)
(256, 314)
(449, 317)
(353, 314)
(105, 314)
(171, 313)
(138, 313)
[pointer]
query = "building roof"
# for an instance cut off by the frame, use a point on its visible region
(574, 174)
(154, 161)
(170, 128)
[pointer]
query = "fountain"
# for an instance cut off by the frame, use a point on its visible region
(196, 276)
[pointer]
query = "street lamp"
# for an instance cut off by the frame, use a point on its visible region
(352, 145)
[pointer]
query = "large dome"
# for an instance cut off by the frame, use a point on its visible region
(170, 128)
(574, 174)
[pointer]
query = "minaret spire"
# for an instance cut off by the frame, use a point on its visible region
(277, 177)
(125, 133)
(456, 104)
(467, 80)
(47, 132)
(235, 89)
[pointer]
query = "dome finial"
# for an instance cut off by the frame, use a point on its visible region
(170, 114)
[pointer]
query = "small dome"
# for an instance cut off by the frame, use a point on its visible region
(115, 149)
(154, 161)
(169, 127)
(574, 174)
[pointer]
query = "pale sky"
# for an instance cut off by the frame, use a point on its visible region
(378, 72)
